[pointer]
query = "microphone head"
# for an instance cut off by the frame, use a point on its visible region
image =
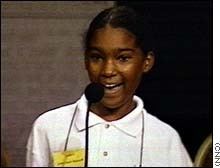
(94, 92)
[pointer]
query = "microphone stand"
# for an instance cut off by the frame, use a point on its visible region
(94, 93)
(87, 135)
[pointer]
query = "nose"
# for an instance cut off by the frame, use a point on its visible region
(109, 69)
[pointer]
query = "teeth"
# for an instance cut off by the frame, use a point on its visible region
(110, 85)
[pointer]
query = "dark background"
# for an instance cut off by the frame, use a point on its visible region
(179, 88)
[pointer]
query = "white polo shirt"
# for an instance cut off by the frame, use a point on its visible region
(111, 144)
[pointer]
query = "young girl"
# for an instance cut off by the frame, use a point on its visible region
(121, 131)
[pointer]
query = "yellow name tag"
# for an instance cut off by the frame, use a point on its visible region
(72, 158)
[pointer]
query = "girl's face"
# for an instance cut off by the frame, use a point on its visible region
(114, 60)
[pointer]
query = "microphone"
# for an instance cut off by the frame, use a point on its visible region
(94, 92)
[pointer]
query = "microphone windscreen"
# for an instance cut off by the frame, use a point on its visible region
(94, 92)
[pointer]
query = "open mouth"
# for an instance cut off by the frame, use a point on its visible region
(112, 88)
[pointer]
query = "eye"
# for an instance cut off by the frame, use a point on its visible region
(124, 58)
(95, 57)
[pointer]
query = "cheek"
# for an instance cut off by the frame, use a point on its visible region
(134, 71)
(93, 72)
(133, 76)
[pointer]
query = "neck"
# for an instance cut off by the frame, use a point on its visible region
(112, 114)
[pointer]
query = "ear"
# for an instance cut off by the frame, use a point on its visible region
(148, 61)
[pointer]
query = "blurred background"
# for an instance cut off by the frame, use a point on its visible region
(42, 65)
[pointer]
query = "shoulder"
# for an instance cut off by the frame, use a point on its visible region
(162, 137)
(154, 125)
(159, 128)
(60, 117)
(162, 134)
(52, 117)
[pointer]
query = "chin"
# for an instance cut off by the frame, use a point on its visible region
(111, 104)
(114, 103)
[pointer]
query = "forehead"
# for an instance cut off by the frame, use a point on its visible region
(109, 37)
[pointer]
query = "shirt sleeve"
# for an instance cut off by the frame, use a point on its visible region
(179, 154)
(37, 154)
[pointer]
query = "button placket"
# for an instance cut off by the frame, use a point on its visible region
(105, 153)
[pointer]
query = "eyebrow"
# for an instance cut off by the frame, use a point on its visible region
(118, 49)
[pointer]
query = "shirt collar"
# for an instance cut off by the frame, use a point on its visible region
(131, 124)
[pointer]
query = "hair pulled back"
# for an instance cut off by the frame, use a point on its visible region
(126, 18)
